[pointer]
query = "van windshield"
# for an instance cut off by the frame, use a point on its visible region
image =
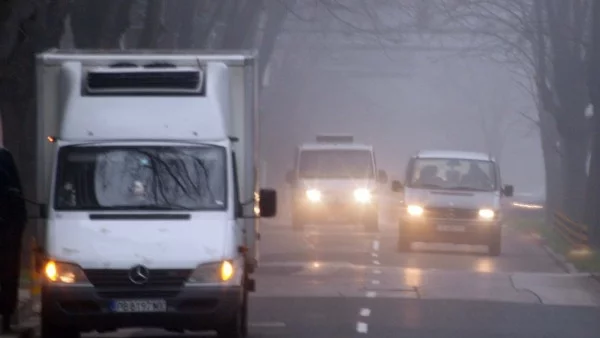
(452, 174)
(335, 163)
(141, 178)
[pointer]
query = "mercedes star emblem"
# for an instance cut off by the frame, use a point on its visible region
(139, 274)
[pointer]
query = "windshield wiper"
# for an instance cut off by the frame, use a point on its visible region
(467, 188)
(149, 207)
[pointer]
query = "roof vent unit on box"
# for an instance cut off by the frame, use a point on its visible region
(152, 79)
(335, 139)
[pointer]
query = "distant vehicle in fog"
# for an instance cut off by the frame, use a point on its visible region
(335, 179)
(452, 196)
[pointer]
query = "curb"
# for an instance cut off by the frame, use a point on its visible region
(560, 260)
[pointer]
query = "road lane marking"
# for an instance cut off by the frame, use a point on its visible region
(365, 312)
(374, 254)
(376, 262)
(267, 324)
(376, 245)
(376, 282)
(362, 327)
(371, 294)
(377, 271)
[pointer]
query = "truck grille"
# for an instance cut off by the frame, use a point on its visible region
(452, 213)
(110, 279)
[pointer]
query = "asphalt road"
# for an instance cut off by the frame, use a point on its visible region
(338, 281)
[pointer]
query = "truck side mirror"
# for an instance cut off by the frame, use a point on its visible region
(508, 190)
(268, 203)
(43, 211)
(290, 177)
(397, 186)
(382, 177)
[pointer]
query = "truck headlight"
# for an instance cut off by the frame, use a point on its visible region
(414, 210)
(362, 195)
(487, 213)
(313, 195)
(64, 273)
(218, 272)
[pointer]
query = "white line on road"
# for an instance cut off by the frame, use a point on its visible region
(371, 294)
(376, 245)
(374, 254)
(376, 282)
(365, 312)
(377, 271)
(362, 327)
(376, 262)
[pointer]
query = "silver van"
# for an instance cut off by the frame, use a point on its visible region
(452, 196)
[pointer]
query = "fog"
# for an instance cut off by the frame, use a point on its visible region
(401, 101)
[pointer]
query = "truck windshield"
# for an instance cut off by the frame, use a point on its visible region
(452, 174)
(335, 164)
(141, 178)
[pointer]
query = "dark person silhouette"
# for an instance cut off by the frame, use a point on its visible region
(476, 178)
(13, 217)
(428, 176)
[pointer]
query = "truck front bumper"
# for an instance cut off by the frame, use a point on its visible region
(193, 308)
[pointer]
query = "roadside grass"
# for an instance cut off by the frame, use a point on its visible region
(583, 260)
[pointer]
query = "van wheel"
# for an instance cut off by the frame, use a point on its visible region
(49, 330)
(495, 245)
(297, 223)
(404, 244)
(372, 223)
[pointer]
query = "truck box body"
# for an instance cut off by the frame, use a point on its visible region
(59, 71)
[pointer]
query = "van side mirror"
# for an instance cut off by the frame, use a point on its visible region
(268, 203)
(397, 186)
(508, 190)
(290, 177)
(382, 177)
(43, 211)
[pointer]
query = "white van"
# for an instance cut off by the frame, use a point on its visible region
(150, 177)
(335, 179)
(452, 196)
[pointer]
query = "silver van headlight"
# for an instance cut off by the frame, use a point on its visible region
(487, 214)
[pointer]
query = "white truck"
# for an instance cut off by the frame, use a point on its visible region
(148, 167)
(335, 179)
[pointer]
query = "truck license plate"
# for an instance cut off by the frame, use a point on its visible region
(451, 228)
(133, 306)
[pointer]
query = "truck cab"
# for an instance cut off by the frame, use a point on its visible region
(452, 196)
(335, 179)
(152, 189)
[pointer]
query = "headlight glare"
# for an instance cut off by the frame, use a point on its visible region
(213, 273)
(414, 210)
(487, 213)
(64, 273)
(362, 195)
(313, 195)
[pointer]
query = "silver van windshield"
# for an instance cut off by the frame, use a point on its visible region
(453, 174)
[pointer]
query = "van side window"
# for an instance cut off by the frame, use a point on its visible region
(236, 186)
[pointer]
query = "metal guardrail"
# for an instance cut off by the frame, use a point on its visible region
(572, 232)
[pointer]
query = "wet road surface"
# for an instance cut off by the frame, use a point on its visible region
(338, 281)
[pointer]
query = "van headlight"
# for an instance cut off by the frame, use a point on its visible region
(226, 271)
(313, 195)
(486, 214)
(414, 210)
(64, 273)
(362, 195)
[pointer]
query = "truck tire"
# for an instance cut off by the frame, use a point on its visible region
(495, 245)
(236, 327)
(49, 330)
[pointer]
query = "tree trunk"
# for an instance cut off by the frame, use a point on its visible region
(574, 177)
